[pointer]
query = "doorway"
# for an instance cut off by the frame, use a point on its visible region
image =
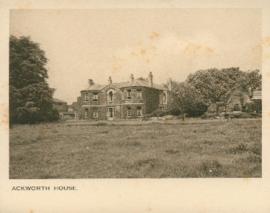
(110, 113)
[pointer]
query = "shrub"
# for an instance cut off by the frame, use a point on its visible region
(196, 110)
(256, 149)
(208, 115)
(243, 115)
(101, 124)
(238, 149)
(172, 151)
(158, 113)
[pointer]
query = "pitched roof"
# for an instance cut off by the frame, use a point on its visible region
(135, 83)
(95, 87)
(238, 87)
(257, 95)
(138, 83)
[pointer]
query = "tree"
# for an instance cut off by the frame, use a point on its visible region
(214, 84)
(253, 80)
(30, 94)
(186, 100)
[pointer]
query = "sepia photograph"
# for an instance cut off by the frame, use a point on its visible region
(135, 93)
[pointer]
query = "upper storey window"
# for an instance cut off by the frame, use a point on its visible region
(129, 93)
(86, 97)
(95, 97)
(163, 98)
(110, 95)
(139, 93)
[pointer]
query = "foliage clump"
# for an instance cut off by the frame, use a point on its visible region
(203, 88)
(30, 95)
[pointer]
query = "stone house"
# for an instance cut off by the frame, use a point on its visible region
(238, 99)
(59, 105)
(132, 99)
(257, 99)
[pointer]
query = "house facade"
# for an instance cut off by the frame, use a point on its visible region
(257, 99)
(125, 100)
(59, 105)
(65, 111)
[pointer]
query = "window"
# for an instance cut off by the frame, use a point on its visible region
(95, 114)
(129, 94)
(139, 93)
(86, 97)
(86, 113)
(95, 97)
(129, 111)
(110, 96)
(139, 111)
(110, 112)
(236, 107)
(164, 98)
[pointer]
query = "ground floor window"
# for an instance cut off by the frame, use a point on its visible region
(139, 111)
(129, 111)
(95, 114)
(86, 113)
(110, 112)
(236, 107)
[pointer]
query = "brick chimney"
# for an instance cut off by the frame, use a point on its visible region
(250, 92)
(131, 78)
(110, 80)
(91, 82)
(150, 79)
(170, 84)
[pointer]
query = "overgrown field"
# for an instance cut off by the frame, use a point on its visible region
(137, 150)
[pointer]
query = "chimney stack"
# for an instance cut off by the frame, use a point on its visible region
(250, 92)
(150, 79)
(132, 78)
(91, 82)
(170, 84)
(110, 80)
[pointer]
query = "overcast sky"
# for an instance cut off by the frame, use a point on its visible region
(83, 44)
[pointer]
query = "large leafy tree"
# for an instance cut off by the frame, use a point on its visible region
(30, 94)
(215, 85)
(253, 80)
(186, 100)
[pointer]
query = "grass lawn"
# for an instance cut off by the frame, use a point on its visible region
(137, 150)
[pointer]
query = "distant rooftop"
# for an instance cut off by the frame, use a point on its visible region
(140, 82)
(95, 87)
